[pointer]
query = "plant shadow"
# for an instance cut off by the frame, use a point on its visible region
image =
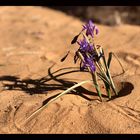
(125, 90)
(41, 86)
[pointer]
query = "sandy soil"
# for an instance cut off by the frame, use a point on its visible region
(32, 39)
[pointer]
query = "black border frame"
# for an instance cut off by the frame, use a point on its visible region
(68, 3)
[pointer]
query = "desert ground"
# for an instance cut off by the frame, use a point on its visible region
(32, 41)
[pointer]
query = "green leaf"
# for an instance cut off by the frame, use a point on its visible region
(109, 59)
(64, 92)
(103, 78)
(119, 61)
(109, 75)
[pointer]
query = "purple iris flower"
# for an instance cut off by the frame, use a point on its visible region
(90, 28)
(88, 63)
(85, 46)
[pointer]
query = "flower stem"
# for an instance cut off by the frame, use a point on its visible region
(95, 81)
(94, 77)
(108, 90)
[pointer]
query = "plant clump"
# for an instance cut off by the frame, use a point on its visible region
(92, 59)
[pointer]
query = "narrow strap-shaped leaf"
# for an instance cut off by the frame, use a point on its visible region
(95, 83)
(65, 56)
(108, 90)
(119, 62)
(109, 59)
(64, 92)
(109, 75)
(103, 78)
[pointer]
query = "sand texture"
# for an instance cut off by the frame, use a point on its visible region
(32, 39)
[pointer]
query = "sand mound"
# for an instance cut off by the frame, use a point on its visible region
(32, 39)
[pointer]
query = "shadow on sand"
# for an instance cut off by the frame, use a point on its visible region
(38, 86)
